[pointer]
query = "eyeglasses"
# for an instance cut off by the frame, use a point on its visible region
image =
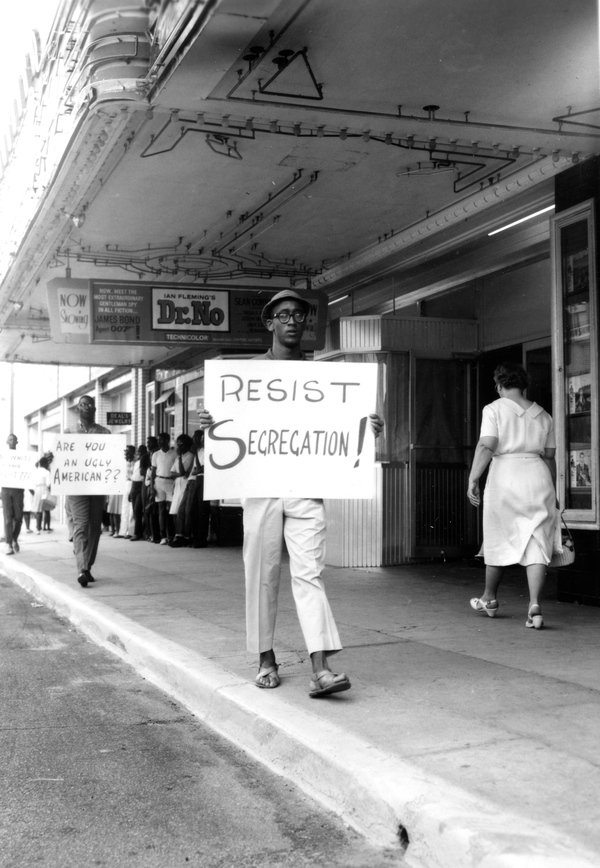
(286, 315)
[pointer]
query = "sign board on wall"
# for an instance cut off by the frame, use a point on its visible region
(124, 312)
(118, 418)
(70, 311)
(289, 429)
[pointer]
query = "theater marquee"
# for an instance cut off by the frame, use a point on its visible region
(127, 312)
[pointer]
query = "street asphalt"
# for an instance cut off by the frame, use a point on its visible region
(101, 769)
(464, 741)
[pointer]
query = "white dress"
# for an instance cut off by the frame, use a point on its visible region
(180, 481)
(126, 506)
(41, 481)
(519, 502)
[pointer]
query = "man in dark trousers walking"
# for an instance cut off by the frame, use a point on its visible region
(84, 511)
(12, 508)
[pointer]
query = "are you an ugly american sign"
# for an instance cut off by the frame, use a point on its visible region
(289, 429)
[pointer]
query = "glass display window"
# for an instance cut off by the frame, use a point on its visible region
(576, 374)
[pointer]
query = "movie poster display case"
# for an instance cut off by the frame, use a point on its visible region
(576, 364)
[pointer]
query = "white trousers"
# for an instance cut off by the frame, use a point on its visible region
(301, 522)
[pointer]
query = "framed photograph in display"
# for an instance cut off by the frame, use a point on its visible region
(578, 321)
(580, 463)
(577, 277)
(580, 393)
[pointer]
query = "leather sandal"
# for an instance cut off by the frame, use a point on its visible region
(490, 607)
(326, 682)
(269, 673)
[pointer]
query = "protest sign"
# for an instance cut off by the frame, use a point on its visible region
(88, 464)
(289, 429)
(17, 468)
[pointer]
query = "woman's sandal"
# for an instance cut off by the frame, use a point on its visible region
(534, 618)
(268, 677)
(490, 607)
(326, 682)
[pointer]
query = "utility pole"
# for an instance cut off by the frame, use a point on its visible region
(11, 427)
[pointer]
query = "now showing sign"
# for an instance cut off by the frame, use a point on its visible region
(289, 429)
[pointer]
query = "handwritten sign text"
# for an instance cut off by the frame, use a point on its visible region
(289, 429)
(88, 464)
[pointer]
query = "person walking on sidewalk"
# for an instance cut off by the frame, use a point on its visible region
(180, 472)
(193, 514)
(149, 505)
(197, 510)
(127, 518)
(301, 523)
(12, 508)
(135, 495)
(163, 485)
(519, 506)
(47, 513)
(41, 480)
(84, 511)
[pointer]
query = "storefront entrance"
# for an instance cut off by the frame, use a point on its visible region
(447, 402)
(442, 451)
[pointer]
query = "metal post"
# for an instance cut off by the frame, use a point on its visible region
(11, 427)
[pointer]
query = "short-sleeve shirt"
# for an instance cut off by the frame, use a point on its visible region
(163, 462)
(517, 429)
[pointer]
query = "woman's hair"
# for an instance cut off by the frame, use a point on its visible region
(186, 441)
(145, 462)
(511, 375)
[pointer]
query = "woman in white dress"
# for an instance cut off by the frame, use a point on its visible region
(519, 506)
(180, 471)
(41, 490)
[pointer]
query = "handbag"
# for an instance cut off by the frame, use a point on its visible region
(49, 502)
(567, 556)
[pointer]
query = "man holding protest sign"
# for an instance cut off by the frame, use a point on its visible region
(301, 523)
(84, 511)
(12, 508)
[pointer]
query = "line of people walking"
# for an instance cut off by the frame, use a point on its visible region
(165, 504)
(516, 444)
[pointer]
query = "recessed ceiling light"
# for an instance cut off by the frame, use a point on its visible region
(522, 220)
(340, 298)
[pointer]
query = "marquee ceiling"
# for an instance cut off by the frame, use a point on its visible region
(312, 139)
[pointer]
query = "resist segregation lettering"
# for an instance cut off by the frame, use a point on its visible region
(235, 387)
(283, 442)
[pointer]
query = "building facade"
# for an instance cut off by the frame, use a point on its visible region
(389, 162)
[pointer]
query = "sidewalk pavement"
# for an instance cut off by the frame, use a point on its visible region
(464, 741)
